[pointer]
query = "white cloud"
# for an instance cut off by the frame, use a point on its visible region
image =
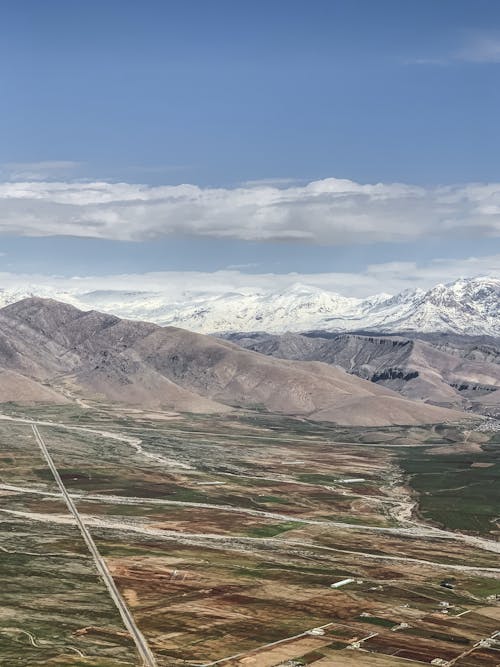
(478, 47)
(237, 267)
(38, 171)
(179, 286)
(329, 211)
(278, 182)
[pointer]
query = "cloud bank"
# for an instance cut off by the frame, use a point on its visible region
(330, 211)
(391, 277)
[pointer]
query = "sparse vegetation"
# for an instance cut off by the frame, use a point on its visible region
(187, 537)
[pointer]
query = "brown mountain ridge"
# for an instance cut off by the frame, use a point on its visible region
(53, 352)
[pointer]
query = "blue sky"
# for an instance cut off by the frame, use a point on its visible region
(249, 102)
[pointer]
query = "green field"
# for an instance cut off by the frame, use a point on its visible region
(453, 491)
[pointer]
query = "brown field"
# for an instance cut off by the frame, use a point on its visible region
(224, 537)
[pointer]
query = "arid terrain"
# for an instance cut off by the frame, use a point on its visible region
(250, 333)
(53, 352)
(460, 372)
(224, 535)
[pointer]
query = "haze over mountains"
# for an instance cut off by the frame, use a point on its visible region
(53, 352)
(466, 306)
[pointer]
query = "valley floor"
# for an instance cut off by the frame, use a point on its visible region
(224, 535)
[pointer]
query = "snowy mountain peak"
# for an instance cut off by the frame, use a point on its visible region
(468, 305)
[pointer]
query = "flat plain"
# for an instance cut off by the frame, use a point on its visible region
(224, 536)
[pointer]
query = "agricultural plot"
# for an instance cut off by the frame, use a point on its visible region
(224, 537)
(458, 490)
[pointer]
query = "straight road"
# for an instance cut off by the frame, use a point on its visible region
(417, 529)
(145, 653)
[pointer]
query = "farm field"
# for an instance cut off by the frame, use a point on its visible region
(224, 536)
(457, 490)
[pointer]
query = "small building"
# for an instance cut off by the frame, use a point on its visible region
(343, 582)
(401, 626)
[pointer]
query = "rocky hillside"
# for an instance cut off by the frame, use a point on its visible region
(455, 371)
(64, 353)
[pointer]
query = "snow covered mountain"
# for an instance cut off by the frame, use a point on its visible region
(467, 306)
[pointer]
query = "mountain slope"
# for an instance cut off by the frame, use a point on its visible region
(457, 374)
(93, 354)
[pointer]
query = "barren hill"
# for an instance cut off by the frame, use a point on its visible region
(456, 372)
(50, 349)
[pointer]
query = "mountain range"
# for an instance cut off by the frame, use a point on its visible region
(461, 372)
(53, 352)
(466, 306)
